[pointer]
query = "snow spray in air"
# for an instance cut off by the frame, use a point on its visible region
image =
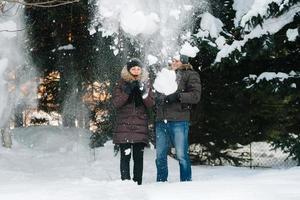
(160, 26)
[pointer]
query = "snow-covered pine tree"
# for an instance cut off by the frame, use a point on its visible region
(232, 112)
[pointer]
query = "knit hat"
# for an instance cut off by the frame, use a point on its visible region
(134, 62)
(184, 59)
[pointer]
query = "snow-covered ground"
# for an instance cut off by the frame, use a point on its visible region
(49, 163)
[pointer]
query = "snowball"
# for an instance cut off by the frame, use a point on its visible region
(165, 82)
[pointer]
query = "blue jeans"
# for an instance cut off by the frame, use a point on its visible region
(175, 133)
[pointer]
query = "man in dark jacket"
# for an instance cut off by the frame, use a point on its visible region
(172, 119)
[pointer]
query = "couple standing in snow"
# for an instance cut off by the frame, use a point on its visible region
(132, 96)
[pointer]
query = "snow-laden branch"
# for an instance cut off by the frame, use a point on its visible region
(261, 8)
(258, 8)
(269, 26)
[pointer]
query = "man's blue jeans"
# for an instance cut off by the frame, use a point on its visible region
(175, 133)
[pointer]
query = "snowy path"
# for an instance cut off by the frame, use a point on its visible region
(31, 174)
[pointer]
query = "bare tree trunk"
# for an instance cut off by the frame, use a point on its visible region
(82, 116)
(6, 138)
(68, 121)
(19, 116)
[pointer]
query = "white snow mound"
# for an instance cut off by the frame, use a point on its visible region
(52, 139)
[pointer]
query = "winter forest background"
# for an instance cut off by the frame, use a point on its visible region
(59, 61)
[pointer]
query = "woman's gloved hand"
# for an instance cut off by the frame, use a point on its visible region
(130, 86)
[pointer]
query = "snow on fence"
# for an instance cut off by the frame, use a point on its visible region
(262, 154)
(256, 154)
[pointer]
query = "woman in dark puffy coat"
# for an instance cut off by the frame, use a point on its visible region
(131, 97)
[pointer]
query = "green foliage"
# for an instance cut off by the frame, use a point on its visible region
(288, 143)
(281, 114)
(103, 133)
(224, 11)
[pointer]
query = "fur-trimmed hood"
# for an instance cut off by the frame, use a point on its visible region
(186, 67)
(126, 76)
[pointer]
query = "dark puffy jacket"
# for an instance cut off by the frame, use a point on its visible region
(131, 120)
(189, 89)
